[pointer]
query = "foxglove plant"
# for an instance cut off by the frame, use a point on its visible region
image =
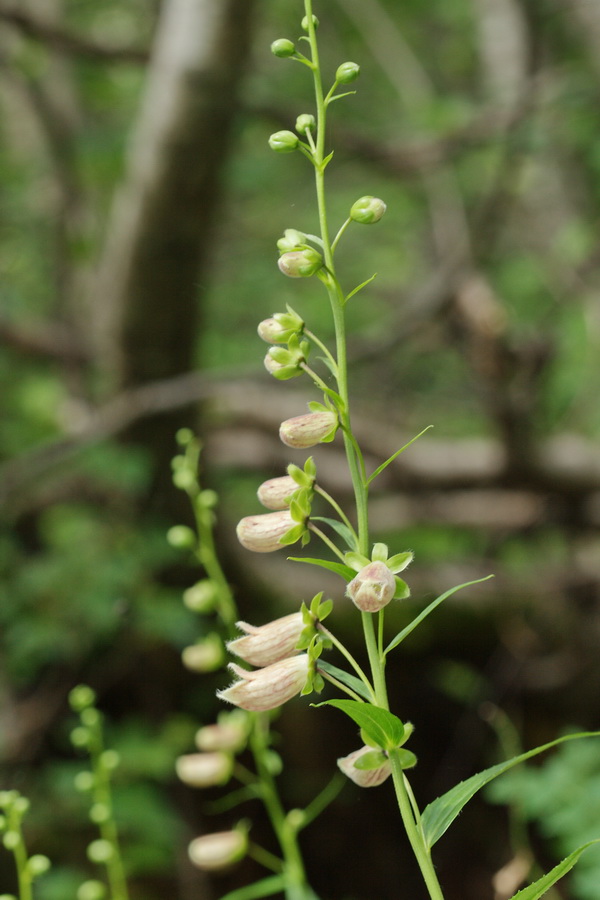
(370, 575)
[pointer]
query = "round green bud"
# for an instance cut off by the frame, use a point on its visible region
(183, 479)
(21, 805)
(11, 840)
(99, 813)
(202, 596)
(181, 536)
(100, 851)
(282, 48)
(110, 759)
(347, 73)
(367, 210)
(284, 141)
(208, 498)
(7, 897)
(300, 263)
(81, 697)
(305, 22)
(83, 781)
(80, 737)
(90, 717)
(91, 890)
(305, 122)
(38, 864)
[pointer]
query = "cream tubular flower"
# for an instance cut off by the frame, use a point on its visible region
(275, 493)
(308, 430)
(268, 643)
(204, 769)
(262, 533)
(364, 777)
(212, 852)
(267, 688)
(229, 733)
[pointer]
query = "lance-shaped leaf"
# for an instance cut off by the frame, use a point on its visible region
(543, 884)
(383, 727)
(344, 532)
(429, 609)
(351, 681)
(439, 815)
(391, 459)
(345, 571)
(266, 887)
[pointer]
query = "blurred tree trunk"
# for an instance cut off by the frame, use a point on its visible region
(147, 294)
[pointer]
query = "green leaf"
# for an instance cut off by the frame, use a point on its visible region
(266, 887)
(539, 887)
(429, 609)
(345, 571)
(355, 684)
(439, 815)
(360, 287)
(383, 727)
(384, 465)
(344, 532)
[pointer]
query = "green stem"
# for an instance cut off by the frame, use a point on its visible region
(346, 653)
(337, 507)
(326, 541)
(412, 830)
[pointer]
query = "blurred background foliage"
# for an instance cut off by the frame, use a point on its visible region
(137, 254)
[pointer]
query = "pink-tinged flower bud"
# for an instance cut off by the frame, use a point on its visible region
(220, 850)
(347, 72)
(300, 263)
(229, 733)
(364, 777)
(284, 141)
(367, 210)
(271, 331)
(205, 656)
(262, 533)
(267, 688)
(266, 644)
(373, 587)
(307, 430)
(275, 493)
(204, 769)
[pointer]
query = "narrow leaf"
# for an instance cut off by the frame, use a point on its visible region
(345, 571)
(384, 465)
(266, 887)
(360, 287)
(439, 815)
(344, 532)
(351, 681)
(540, 887)
(429, 609)
(384, 728)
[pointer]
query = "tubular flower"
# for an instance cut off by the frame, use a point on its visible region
(229, 733)
(212, 852)
(275, 493)
(267, 644)
(308, 430)
(373, 587)
(267, 688)
(364, 777)
(262, 533)
(204, 769)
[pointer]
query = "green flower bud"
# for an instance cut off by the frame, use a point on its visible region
(291, 240)
(367, 210)
(83, 781)
(282, 48)
(181, 536)
(91, 890)
(300, 263)
(284, 141)
(347, 73)
(202, 596)
(100, 851)
(207, 655)
(81, 697)
(305, 22)
(305, 122)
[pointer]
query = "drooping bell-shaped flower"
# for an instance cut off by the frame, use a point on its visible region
(262, 533)
(204, 769)
(266, 644)
(308, 430)
(275, 493)
(373, 587)
(267, 688)
(366, 777)
(220, 850)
